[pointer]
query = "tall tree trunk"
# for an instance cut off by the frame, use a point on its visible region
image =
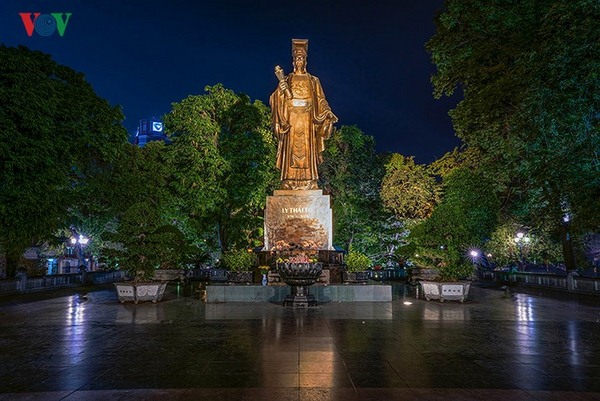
(12, 262)
(223, 237)
(567, 246)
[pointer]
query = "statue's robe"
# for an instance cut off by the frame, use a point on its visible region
(301, 125)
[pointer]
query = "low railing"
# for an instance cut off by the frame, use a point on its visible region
(9, 286)
(104, 277)
(569, 282)
(387, 274)
(23, 284)
(586, 284)
(54, 281)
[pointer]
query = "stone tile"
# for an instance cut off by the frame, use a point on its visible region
(280, 367)
(279, 380)
(268, 394)
(321, 367)
(319, 356)
(328, 394)
(563, 395)
(443, 394)
(325, 380)
(491, 394)
(288, 356)
(378, 394)
(41, 396)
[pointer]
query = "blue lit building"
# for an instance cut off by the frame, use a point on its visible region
(149, 130)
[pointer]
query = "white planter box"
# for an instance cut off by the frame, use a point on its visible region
(140, 292)
(446, 291)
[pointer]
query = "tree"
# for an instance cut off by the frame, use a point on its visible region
(466, 215)
(351, 173)
(56, 136)
(144, 237)
(223, 162)
(531, 96)
(409, 193)
(408, 190)
(540, 247)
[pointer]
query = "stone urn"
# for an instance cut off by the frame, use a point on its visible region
(299, 276)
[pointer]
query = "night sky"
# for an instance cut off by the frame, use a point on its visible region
(144, 55)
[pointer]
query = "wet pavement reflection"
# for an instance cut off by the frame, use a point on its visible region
(83, 344)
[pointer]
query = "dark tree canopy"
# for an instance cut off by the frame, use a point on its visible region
(528, 71)
(55, 135)
(223, 160)
(351, 173)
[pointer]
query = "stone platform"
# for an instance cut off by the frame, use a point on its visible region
(276, 294)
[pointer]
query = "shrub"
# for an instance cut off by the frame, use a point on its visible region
(238, 260)
(357, 261)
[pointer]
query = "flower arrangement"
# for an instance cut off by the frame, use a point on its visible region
(282, 245)
(298, 258)
(264, 269)
(304, 252)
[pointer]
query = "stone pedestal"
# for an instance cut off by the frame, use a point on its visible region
(298, 217)
(300, 298)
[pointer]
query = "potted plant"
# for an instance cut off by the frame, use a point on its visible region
(445, 269)
(357, 264)
(467, 213)
(143, 236)
(141, 246)
(239, 263)
(445, 290)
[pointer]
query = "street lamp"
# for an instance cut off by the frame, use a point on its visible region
(79, 243)
(521, 239)
(475, 255)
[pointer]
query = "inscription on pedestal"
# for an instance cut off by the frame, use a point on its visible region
(298, 217)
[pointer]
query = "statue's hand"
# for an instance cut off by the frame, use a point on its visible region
(283, 86)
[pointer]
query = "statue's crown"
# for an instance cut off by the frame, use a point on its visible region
(299, 46)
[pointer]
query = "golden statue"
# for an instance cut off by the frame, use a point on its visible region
(302, 121)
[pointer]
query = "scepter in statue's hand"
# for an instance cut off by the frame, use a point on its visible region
(282, 84)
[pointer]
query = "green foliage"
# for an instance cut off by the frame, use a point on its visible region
(145, 243)
(529, 78)
(145, 238)
(357, 261)
(351, 173)
(56, 136)
(465, 217)
(540, 248)
(223, 161)
(239, 260)
(408, 190)
(464, 157)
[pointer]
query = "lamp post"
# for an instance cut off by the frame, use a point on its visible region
(79, 243)
(474, 255)
(521, 239)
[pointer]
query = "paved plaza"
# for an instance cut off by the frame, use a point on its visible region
(81, 344)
